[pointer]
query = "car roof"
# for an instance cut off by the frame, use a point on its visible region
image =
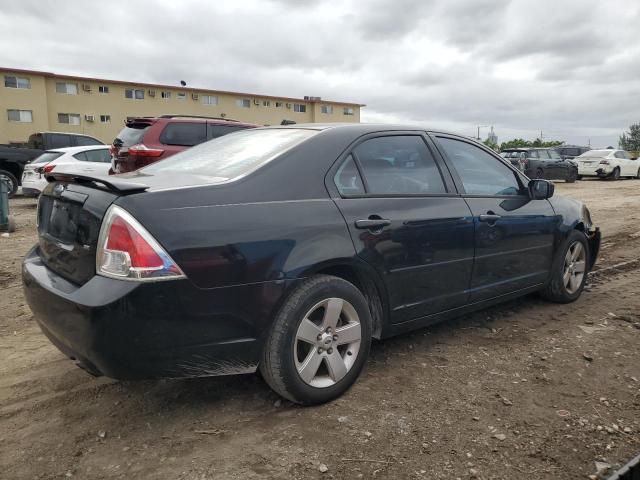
(364, 128)
(78, 149)
(190, 118)
(65, 133)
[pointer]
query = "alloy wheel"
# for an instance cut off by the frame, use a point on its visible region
(574, 267)
(327, 342)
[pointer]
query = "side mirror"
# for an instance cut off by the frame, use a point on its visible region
(540, 189)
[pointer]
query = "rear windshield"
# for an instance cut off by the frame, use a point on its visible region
(46, 157)
(232, 155)
(131, 134)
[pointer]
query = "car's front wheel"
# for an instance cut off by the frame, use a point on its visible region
(572, 176)
(319, 341)
(569, 270)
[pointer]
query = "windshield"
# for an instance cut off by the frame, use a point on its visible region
(232, 155)
(131, 134)
(46, 157)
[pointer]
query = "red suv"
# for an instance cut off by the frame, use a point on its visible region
(146, 140)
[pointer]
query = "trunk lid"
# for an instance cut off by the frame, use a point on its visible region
(69, 217)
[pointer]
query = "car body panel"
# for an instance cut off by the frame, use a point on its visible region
(245, 244)
(591, 163)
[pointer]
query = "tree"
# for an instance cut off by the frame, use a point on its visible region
(631, 140)
(520, 143)
(490, 144)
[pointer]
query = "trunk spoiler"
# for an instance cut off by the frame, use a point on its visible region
(111, 183)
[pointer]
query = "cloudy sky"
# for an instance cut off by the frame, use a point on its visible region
(568, 68)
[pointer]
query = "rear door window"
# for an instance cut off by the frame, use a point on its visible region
(399, 165)
(59, 140)
(186, 134)
(532, 154)
(215, 131)
(85, 141)
(98, 156)
(543, 154)
(480, 172)
(347, 178)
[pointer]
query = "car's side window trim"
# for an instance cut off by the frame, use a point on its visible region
(456, 177)
(448, 183)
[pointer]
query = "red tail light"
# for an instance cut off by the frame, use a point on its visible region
(48, 168)
(127, 251)
(141, 150)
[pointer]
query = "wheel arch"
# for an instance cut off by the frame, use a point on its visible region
(365, 279)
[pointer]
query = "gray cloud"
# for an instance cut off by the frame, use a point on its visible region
(569, 68)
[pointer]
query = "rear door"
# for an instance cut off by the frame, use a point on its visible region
(178, 136)
(92, 162)
(215, 130)
(513, 234)
(407, 221)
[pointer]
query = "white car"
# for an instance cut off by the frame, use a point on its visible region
(608, 163)
(87, 160)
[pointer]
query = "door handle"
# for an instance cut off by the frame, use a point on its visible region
(489, 217)
(372, 223)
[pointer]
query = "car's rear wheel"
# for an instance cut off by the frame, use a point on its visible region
(11, 180)
(615, 175)
(638, 174)
(319, 341)
(569, 270)
(579, 177)
(539, 173)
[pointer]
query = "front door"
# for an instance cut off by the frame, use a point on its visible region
(513, 234)
(408, 223)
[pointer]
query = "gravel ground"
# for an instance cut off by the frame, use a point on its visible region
(527, 389)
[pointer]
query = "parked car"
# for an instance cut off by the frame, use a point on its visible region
(569, 152)
(13, 158)
(288, 248)
(608, 163)
(542, 163)
(145, 140)
(90, 160)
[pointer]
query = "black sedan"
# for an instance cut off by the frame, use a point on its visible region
(542, 163)
(287, 249)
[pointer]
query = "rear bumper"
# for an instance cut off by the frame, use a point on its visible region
(595, 171)
(130, 330)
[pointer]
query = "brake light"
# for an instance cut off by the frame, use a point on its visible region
(141, 150)
(127, 251)
(46, 169)
(604, 162)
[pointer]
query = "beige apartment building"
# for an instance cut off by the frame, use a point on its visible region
(33, 101)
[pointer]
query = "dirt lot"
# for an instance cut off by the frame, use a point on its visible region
(524, 390)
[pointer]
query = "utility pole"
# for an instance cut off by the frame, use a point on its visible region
(479, 127)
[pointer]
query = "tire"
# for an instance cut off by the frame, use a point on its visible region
(539, 173)
(13, 181)
(615, 175)
(572, 177)
(285, 354)
(638, 174)
(558, 289)
(579, 177)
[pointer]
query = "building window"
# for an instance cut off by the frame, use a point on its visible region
(12, 81)
(266, 103)
(278, 104)
(328, 109)
(243, 103)
(22, 116)
(181, 96)
(68, 88)
(134, 93)
(209, 100)
(105, 118)
(299, 107)
(165, 94)
(347, 111)
(103, 89)
(69, 118)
